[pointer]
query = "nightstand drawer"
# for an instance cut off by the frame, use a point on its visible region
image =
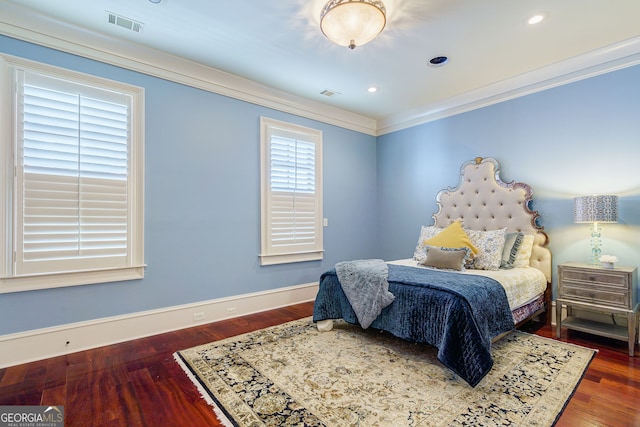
(596, 296)
(597, 278)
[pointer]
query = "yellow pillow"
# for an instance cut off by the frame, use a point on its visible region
(452, 237)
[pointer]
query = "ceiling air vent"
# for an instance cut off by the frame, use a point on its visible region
(328, 92)
(123, 22)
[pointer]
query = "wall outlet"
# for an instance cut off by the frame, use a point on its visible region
(231, 310)
(198, 316)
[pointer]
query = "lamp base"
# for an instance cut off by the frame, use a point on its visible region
(595, 244)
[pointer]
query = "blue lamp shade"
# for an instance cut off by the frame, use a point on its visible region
(595, 209)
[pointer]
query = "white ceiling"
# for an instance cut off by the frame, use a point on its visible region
(278, 43)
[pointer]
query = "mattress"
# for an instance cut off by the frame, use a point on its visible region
(522, 285)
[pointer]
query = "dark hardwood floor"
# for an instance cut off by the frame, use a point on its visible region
(139, 383)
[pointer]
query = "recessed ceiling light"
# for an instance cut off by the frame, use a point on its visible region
(438, 61)
(536, 19)
(372, 89)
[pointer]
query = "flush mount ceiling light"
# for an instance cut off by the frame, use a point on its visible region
(352, 23)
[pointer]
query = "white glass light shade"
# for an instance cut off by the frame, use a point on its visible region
(352, 23)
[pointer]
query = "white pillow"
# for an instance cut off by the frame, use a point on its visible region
(426, 232)
(490, 244)
(524, 252)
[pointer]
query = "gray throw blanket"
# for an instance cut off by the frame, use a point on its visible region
(365, 284)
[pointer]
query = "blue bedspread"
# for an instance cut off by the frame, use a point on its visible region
(457, 313)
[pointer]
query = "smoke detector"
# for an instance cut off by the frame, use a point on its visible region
(438, 61)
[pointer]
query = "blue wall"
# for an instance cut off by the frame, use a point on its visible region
(202, 204)
(578, 139)
(202, 197)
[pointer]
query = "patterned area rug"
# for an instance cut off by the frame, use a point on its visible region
(292, 374)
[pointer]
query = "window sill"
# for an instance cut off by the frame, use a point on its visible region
(292, 257)
(76, 278)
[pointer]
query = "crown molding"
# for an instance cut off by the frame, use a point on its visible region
(19, 23)
(611, 58)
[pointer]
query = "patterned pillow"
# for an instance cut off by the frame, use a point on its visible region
(446, 258)
(490, 245)
(511, 245)
(524, 252)
(426, 232)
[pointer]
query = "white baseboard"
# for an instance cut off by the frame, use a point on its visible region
(43, 343)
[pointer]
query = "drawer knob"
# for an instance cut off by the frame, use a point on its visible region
(592, 278)
(592, 295)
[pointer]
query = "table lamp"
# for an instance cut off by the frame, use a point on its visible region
(594, 210)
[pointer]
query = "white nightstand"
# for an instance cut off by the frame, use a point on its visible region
(601, 290)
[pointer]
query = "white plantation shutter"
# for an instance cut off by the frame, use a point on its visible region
(74, 186)
(291, 193)
(74, 202)
(293, 209)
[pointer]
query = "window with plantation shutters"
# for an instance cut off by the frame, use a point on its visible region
(76, 207)
(291, 193)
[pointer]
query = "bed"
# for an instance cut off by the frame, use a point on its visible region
(454, 298)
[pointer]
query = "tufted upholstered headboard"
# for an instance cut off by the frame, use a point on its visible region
(484, 202)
